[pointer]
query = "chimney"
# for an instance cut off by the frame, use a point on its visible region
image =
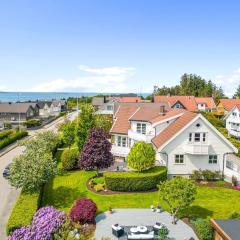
(162, 110)
(104, 99)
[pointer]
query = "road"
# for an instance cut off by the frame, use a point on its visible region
(8, 194)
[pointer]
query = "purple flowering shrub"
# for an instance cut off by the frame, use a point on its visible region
(96, 153)
(46, 221)
(83, 211)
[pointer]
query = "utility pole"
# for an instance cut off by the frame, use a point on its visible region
(19, 111)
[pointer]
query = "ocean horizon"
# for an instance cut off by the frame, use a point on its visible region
(32, 96)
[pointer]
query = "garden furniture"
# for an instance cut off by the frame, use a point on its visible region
(117, 230)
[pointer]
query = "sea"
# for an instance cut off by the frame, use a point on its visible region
(32, 96)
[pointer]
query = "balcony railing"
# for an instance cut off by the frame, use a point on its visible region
(140, 137)
(234, 133)
(197, 148)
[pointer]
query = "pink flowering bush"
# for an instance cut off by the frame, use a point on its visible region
(237, 187)
(83, 211)
(46, 221)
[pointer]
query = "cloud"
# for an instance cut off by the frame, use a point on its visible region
(3, 88)
(109, 79)
(229, 83)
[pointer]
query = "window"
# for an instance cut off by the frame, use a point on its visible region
(141, 128)
(121, 141)
(178, 105)
(179, 159)
(197, 137)
(212, 159)
(109, 107)
(190, 137)
(204, 137)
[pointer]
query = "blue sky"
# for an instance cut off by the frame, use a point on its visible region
(117, 46)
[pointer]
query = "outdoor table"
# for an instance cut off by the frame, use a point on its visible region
(133, 230)
(142, 229)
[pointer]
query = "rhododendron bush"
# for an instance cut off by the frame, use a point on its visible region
(46, 221)
(83, 211)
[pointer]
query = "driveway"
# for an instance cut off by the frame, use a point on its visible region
(8, 194)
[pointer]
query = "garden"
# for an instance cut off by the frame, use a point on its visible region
(67, 188)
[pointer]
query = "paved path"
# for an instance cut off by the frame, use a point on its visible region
(8, 194)
(141, 217)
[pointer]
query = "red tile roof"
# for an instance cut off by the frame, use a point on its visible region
(210, 104)
(187, 101)
(121, 123)
(129, 99)
(228, 104)
(173, 128)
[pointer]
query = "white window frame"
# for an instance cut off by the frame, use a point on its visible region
(213, 159)
(141, 128)
(178, 158)
(202, 137)
(122, 141)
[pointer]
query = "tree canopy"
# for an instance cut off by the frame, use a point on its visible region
(237, 93)
(192, 84)
(69, 133)
(178, 193)
(141, 156)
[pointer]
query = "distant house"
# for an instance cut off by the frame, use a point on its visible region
(184, 141)
(105, 105)
(17, 112)
(226, 105)
(189, 103)
(228, 229)
(44, 108)
(233, 121)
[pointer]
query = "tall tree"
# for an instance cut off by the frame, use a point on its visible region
(178, 193)
(237, 93)
(96, 153)
(69, 132)
(86, 122)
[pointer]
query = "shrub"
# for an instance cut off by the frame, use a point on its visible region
(5, 133)
(205, 174)
(69, 159)
(203, 229)
(162, 233)
(196, 175)
(208, 175)
(7, 125)
(26, 205)
(98, 180)
(141, 156)
(32, 123)
(99, 187)
(135, 181)
(46, 221)
(83, 211)
(234, 215)
(234, 180)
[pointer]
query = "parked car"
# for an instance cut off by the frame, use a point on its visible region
(6, 171)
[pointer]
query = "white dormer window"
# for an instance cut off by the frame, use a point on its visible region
(141, 128)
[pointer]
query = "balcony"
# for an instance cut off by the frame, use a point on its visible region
(120, 151)
(234, 133)
(197, 148)
(140, 137)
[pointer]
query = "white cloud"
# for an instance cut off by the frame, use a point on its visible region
(3, 88)
(229, 83)
(109, 79)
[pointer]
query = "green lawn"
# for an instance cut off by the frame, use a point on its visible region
(64, 189)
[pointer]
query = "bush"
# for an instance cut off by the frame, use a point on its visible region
(23, 211)
(208, 175)
(98, 180)
(16, 135)
(69, 159)
(204, 229)
(135, 181)
(99, 187)
(5, 134)
(141, 156)
(7, 125)
(83, 211)
(162, 233)
(32, 123)
(196, 175)
(234, 215)
(205, 174)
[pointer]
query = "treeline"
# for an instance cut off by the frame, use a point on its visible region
(194, 85)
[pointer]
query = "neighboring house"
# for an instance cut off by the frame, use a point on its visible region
(233, 121)
(44, 108)
(228, 229)
(226, 105)
(205, 104)
(190, 103)
(184, 141)
(105, 105)
(183, 102)
(16, 112)
(57, 107)
(1, 125)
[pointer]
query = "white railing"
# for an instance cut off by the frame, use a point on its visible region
(120, 151)
(140, 137)
(197, 148)
(234, 133)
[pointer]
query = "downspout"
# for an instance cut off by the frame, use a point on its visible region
(224, 157)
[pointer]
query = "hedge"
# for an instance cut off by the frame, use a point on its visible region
(16, 135)
(23, 211)
(5, 134)
(32, 123)
(135, 181)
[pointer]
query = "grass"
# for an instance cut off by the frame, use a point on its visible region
(64, 189)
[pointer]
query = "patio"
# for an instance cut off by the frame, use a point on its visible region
(141, 217)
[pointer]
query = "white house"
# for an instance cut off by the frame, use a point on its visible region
(184, 141)
(233, 121)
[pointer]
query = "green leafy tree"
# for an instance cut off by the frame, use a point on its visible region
(178, 193)
(104, 122)
(69, 133)
(69, 158)
(31, 170)
(237, 94)
(141, 156)
(86, 122)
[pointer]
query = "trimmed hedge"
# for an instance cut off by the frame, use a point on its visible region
(32, 123)
(23, 211)
(16, 135)
(5, 134)
(135, 181)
